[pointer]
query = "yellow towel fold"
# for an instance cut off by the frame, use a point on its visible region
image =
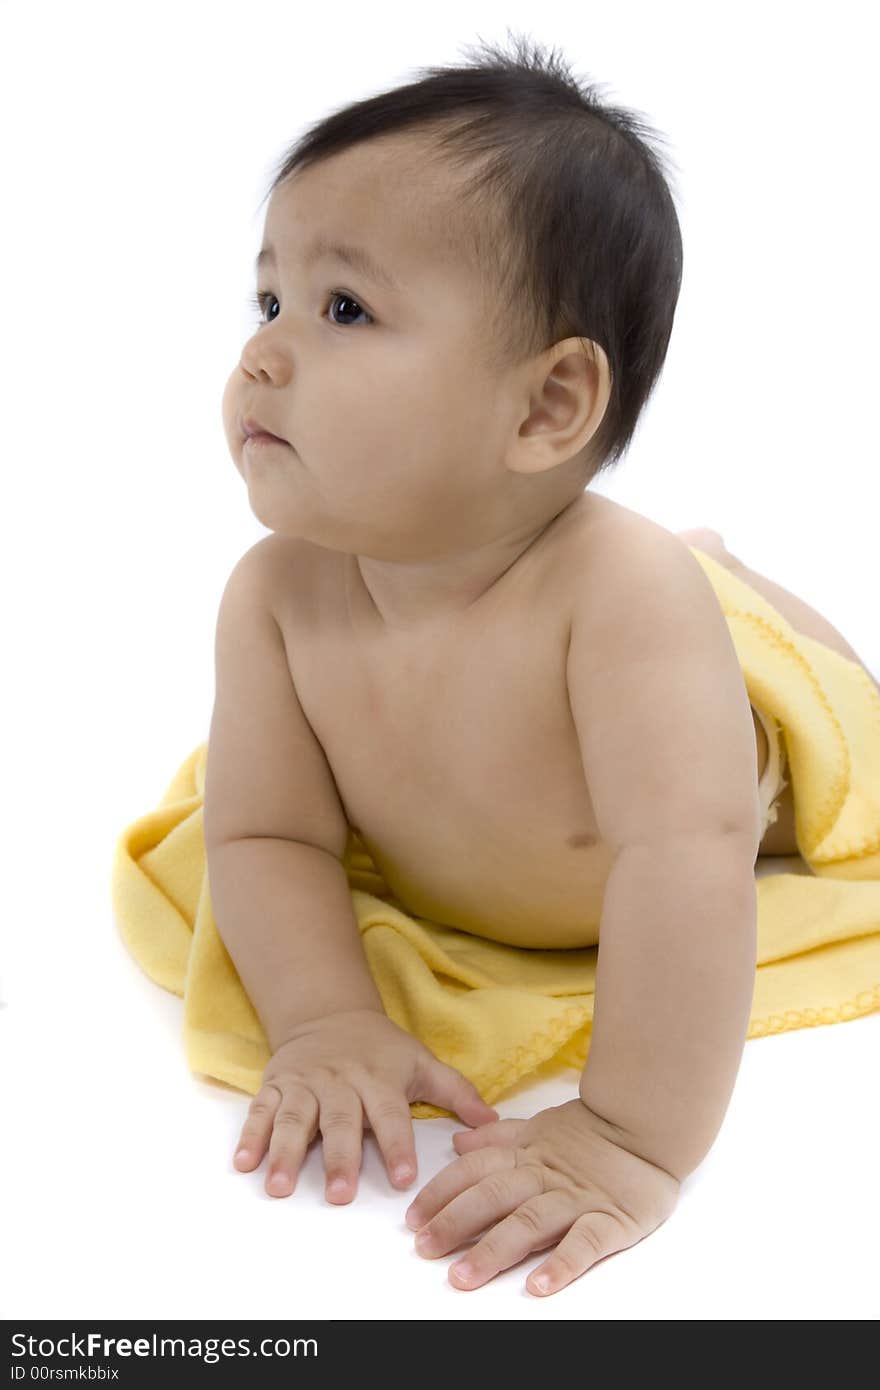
(497, 1012)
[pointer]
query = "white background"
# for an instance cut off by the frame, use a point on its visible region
(138, 143)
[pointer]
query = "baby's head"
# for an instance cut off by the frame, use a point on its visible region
(492, 341)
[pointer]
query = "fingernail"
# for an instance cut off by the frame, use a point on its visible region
(412, 1220)
(242, 1155)
(402, 1173)
(337, 1188)
(279, 1182)
(463, 1271)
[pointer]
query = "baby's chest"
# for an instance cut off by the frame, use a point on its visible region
(457, 761)
(479, 739)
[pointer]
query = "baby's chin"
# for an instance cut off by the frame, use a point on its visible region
(334, 535)
(299, 519)
(283, 499)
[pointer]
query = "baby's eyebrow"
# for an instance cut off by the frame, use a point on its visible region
(355, 256)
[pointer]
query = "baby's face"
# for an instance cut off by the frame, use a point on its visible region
(397, 431)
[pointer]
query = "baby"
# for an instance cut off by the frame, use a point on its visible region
(522, 696)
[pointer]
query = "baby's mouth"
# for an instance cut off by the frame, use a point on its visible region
(264, 439)
(252, 428)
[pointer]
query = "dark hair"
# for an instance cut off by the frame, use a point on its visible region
(565, 206)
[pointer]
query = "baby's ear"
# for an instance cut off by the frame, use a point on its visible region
(569, 391)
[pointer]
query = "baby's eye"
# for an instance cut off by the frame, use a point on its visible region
(347, 299)
(260, 300)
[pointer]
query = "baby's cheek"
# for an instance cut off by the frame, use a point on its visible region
(229, 406)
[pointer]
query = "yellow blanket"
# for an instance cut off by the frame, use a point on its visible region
(498, 1012)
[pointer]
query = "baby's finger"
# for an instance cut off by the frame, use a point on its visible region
(454, 1092)
(507, 1132)
(292, 1134)
(341, 1124)
(460, 1176)
(257, 1128)
(391, 1122)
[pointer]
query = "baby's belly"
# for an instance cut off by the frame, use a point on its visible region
(464, 781)
(539, 892)
(477, 813)
(457, 761)
(508, 865)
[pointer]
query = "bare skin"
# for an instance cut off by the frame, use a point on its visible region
(422, 549)
(432, 537)
(456, 761)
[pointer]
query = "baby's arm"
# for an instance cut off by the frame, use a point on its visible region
(667, 739)
(275, 830)
(275, 835)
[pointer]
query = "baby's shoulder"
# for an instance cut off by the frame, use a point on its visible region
(275, 555)
(608, 543)
(622, 569)
(292, 575)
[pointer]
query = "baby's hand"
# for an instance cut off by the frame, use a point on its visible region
(554, 1177)
(332, 1074)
